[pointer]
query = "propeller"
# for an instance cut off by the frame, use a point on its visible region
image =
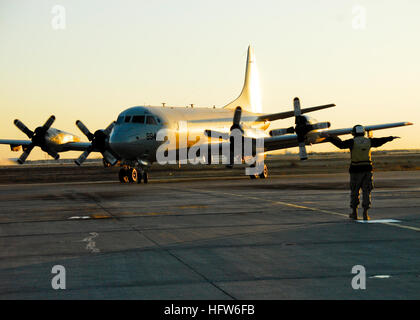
(99, 142)
(235, 125)
(302, 127)
(232, 135)
(37, 139)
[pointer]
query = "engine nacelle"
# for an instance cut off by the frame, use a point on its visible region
(58, 137)
(280, 132)
(321, 125)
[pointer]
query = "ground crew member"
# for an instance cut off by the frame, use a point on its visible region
(360, 167)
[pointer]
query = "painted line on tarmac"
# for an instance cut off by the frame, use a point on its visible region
(307, 208)
(402, 226)
(287, 204)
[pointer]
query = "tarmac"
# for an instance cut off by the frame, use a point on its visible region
(286, 237)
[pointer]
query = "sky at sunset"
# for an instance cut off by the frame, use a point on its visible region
(106, 56)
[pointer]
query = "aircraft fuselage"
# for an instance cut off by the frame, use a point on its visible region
(134, 135)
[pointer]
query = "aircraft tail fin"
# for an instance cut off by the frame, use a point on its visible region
(250, 97)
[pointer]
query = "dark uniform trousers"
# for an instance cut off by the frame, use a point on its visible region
(360, 180)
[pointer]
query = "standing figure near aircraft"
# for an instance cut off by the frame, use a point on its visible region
(360, 167)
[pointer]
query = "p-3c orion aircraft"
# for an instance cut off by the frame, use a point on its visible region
(131, 143)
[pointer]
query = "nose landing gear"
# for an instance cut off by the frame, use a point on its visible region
(133, 175)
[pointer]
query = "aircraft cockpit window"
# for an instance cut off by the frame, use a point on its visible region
(158, 120)
(127, 118)
(138, 119)
(150, 120)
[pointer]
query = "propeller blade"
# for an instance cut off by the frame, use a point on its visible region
(237, 116)
(83, 157)
(233, 133)
(53, 154)
(237, 119)
(23, 128)
(216, 134)
(108, 156)
(48, 123)
(85, 130)
(302, 151)
(296, 107)
(108, 129)
(25, 154)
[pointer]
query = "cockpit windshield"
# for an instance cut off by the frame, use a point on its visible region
(140, 119)
(150, 120)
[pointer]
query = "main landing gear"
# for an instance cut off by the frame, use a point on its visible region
(262, 175)
(133, 175)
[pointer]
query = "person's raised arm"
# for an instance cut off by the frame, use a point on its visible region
(346, 144)
(377, 142)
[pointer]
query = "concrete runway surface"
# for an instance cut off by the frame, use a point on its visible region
(287, 237)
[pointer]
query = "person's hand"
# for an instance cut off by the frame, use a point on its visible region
(393, 138)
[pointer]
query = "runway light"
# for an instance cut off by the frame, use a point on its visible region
(381, 276)
(77, 217)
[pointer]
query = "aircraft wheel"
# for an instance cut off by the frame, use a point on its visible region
(123, 175)
(106, 163)
(264, 174)
(253, 176)
(139, 175)
(145, 177)
(133, 175)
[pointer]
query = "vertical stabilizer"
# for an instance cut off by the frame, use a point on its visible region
(250, 97)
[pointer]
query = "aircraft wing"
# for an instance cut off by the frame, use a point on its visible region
(70, 146)
(280, 142)
(337, 132)
(15, 143)
(290, 114)
(75, 146)
(290, 140)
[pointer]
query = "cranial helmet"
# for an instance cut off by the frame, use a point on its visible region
(358, 130)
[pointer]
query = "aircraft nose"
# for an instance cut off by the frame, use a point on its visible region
(118, 142)
(125, 144)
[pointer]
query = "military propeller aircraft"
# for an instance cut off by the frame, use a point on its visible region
(131, 141)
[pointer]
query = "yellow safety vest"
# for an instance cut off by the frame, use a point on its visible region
(360, 153)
